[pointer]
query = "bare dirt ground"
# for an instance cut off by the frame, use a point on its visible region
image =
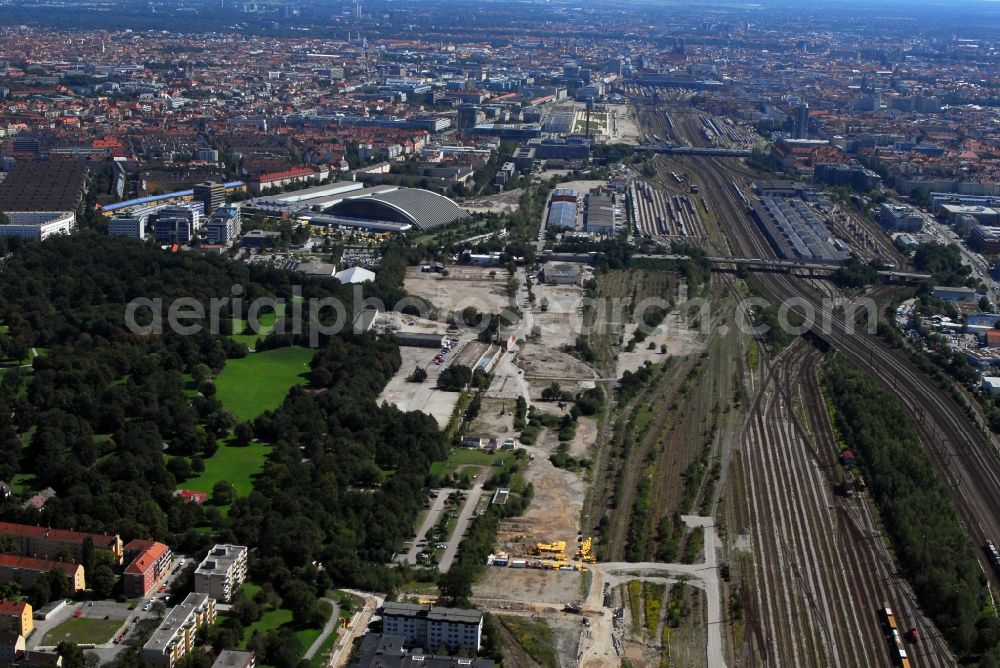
(586, 434)
(675, 333)
(528, 584)
(627, 129)
(490, 422)
(554, 512)
(562, 322)
(544, 364)
(505, 202)
(420, 396)
(464, 286)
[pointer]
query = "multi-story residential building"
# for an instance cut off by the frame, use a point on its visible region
(231, 658)
(222, 572)
(26, 570)
(431, 626)
(15, 617)
(11, 646)
(46, 543)
(176, 634)
(150, 561)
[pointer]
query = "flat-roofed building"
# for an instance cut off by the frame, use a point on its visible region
(224, 225)
(431, 626)
(46, 542)
(231, 658)
(25, 571)
(599, 214)
(175, 636)
(900, 217)
(11, 646)
(38, 225)
(210, 193)
(221, 573)
(15, 617)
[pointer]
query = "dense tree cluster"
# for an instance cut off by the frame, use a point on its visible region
(934, 553)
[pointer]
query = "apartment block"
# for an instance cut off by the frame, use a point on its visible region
(222, 572)
(26, 570)
(176, 634)
(431, 626)
(45, 543)
(15, 617)
(149, 562)
(231, 658)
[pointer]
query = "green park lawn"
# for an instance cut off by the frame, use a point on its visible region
(83, 631)
(232, 463)
(258, 382)
(466, 456)
(265, 321)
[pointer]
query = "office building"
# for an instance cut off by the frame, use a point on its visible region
(173, 230)
(149, 563)
(176, 634)
(128, 225)
(26, 570)
(211, 194)
(431, 626)
(985, 239)
(38, 225)
(221, 573)
(46, 543)
(469, 116)
(900, 217)
(802, 122)
(223, 226)
(15, 617)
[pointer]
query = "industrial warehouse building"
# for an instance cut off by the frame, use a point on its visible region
(431, 626)
(562, 216)
(420, 339)
(599, 214)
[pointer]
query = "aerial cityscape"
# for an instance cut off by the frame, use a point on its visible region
(397, 333)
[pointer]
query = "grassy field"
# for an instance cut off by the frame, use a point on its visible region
(276, 618)
(83, 631)
(466, 456)
(247, 387)
(535, 636)
(236, 464)
(265, 320)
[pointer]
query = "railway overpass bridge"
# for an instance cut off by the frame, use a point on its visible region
(693, 150)
(810, 267)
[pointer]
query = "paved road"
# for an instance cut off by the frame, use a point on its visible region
(433, 515)
(330, 627)
(705, 576)
(471, 501)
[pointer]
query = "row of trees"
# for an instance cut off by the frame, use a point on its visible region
(934, 553)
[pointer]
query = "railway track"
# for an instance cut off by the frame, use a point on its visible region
(822, 572)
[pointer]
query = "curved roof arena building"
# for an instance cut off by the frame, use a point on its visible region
(421, 208)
